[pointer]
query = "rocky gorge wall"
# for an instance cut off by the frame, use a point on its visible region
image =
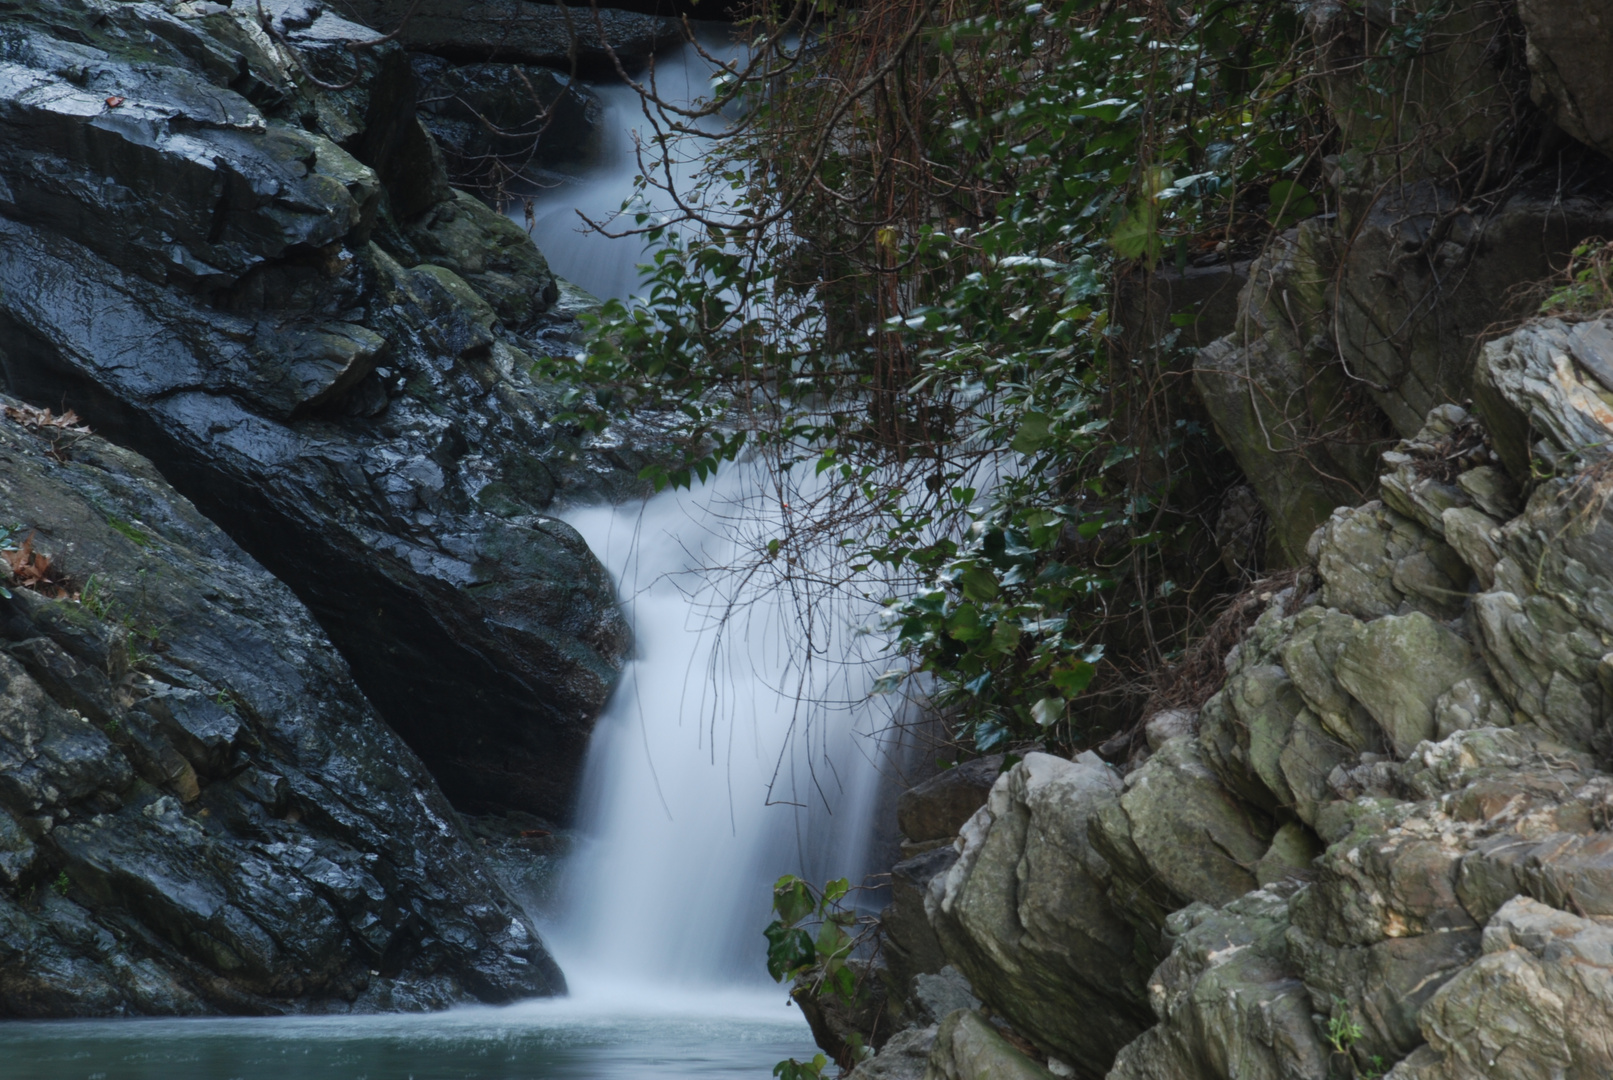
(1381, 847)
(277, 489)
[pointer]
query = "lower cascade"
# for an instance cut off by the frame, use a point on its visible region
(718, 766)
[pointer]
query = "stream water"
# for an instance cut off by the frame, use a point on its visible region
(704, 782)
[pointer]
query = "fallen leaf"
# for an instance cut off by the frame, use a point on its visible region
(113, 102)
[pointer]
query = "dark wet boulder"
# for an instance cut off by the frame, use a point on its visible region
(191, 259)
(199, 810)
(579, 39)
(494, 120)
(938, 808)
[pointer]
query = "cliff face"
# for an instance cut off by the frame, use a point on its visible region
(232, 248)
(199, 811)
(268, 287)
(1381, 847)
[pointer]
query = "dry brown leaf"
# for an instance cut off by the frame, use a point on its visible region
(31, 417)
(31, 570)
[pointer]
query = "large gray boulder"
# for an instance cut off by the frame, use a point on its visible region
(199, 811)
(1569, 43)
(344, 390)
(1024, 913)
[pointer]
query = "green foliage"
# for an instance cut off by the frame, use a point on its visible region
(812, 935)
(1584, 287)
(802, 1070)
(1342, 1030)
(812, 938)
(905, 293)
(61, 884)
(95, 598)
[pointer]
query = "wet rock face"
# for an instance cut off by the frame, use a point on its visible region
(575, 39)
(513, 115)
(329, 355)
(199, 811)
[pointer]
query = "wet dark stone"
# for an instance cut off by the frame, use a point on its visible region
(199, 810)
(330, 356)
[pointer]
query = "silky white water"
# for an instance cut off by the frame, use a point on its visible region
(740, 745)
(554, 214)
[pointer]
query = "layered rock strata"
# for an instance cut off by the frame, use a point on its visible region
(199, 810)
(1380, 848)
(268, 288)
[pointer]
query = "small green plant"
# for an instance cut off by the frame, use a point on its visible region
(801, 1070)
(223, 700)
(813, 938)
(1586, 285)
(792, 950)
(95, 599)
(1342, 1030)
(61, 884)
(113, 726)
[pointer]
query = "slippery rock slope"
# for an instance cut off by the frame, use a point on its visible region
(199, 811)
(269, 289)
(1382, 848)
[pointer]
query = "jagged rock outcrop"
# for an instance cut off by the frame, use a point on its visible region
(269, 290)
(199, 810)
(1025, 912)
(1355, 325)
(1381, 847)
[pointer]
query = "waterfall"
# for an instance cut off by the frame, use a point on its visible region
(741, 743)
(731, 753)
(600, 265)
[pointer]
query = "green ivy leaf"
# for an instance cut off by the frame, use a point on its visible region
(788, 951)
(979, 584)
(1048, 711)
(1033, 434)
(1073, 679)
(1290, 202)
